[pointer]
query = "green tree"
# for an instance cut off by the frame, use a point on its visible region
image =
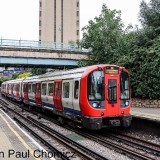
(38, 71)
(105, 38)
(2, 79)
(149, 13)
(143, 60)
(15, 75)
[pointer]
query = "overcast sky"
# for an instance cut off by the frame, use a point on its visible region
(19, 18)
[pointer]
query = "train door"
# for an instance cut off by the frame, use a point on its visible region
(47, 95)
(67, 96)
(17, 91)
(14, 90)
(31, 93)
(12, 85)
(25, 92)
(112, 95)
(38, 94)
(44, 94)
(50, 94)
(57, 95)
(9, 89)
(76, 91)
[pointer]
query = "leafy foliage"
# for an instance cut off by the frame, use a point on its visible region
(38, 71)
(2, 79)
(15, 75)
(23, 75)
(104, 37)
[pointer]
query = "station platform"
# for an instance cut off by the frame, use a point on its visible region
(146, 113)
(15, 143)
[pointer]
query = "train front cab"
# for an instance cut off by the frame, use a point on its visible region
(108, 98)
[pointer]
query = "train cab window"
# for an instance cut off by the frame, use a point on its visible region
(112, 91)
(44, 88)
(29, 88)
(66, 90)
(50, 89)
(76, 89)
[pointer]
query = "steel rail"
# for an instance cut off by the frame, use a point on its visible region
(131, 140)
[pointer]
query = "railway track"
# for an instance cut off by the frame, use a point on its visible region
(29, 123)
(144, 150)
(152, 148)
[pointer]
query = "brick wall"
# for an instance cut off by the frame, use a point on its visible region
(145, 103)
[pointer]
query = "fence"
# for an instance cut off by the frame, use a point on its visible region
(40, 45)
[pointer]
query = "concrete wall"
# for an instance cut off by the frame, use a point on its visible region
(43, 54)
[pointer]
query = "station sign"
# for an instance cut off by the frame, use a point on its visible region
(8, 72)
(18, 69)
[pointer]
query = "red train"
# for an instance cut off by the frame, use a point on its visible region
(96, 96)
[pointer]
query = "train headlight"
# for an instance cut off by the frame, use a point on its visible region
(95, 105)
(127, 103)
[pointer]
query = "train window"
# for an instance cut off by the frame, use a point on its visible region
(55, 88)
(44, 88)
(66, 90)
(17, 87)
(33, 88)
(29, 88)
(9, 87)
(38, 88)
(76, 89)
(95, 86)
(25, 87)
(14, 87)
(50, 89)
(59, 89)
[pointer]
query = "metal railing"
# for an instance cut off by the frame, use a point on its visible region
(40, 45)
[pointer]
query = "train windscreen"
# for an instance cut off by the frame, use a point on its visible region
(96, 86)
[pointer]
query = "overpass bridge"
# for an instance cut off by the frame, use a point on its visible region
(26, 53)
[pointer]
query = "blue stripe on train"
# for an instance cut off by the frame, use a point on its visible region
(66, 110)
(48, 105)
(31, 100)
(71, 111)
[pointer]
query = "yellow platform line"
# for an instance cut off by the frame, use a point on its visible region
(20, 138)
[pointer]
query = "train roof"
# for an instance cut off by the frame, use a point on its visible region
(72, 71)
(31, 79)
(61, 74)
(14, 80)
